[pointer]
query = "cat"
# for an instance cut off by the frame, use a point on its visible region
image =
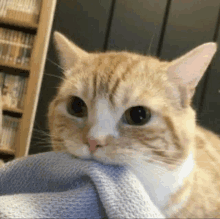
(131, 109)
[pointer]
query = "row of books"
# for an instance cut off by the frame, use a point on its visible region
(13, 89)
(15, 47)
(9, 129)
(22, 10)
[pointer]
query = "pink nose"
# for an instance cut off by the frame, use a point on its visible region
(94, 144)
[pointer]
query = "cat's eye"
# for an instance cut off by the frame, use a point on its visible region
(137, 115)
(76, 107)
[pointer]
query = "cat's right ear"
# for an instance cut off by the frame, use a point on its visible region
(68, 52)
(186, 71)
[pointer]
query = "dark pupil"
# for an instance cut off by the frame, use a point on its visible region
(77, 107)
(137, 115)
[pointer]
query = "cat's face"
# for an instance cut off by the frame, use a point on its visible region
(118, 107)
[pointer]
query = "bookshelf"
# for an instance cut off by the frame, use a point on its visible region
(12, 22)
(25, 28)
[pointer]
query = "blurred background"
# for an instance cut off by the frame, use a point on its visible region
(163, 28)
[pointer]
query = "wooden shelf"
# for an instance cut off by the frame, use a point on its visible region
(18, 23)
(6, 150)
(39, 26)
(16, 66)
(24, 118)
(35, 76)
(10, 109)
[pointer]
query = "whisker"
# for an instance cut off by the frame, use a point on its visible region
(55, 76)
(151, 42)
(59, 77)
(42, 132)
(55, 64)
(43, 141)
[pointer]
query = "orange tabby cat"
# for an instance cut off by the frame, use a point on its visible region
(126, 108)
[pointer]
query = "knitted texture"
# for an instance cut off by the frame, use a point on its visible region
(56, 185)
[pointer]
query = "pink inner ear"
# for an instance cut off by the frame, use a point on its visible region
(68, 51)
(188, 69)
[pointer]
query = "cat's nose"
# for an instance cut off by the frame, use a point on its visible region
(94, 144)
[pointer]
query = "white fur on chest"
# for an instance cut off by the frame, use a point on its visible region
(161, 183)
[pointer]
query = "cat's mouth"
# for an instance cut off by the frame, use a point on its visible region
(112, 155)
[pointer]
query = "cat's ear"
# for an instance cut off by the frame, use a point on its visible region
(186, 71)
(68, 51)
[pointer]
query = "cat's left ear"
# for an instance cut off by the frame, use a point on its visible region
(186, 71)
(68, 52)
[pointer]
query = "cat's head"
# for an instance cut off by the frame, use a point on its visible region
(119, 106)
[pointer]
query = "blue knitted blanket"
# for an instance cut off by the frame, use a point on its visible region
(56, 185)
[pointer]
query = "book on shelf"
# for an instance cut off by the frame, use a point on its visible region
(9, 129)
(2, 78)
(14, 90)
(15, 47)
(20, 10)
(22, 93)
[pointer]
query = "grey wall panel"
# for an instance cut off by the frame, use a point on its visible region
(83, 21)
(190, 23)
(135, 24)
(210, 113)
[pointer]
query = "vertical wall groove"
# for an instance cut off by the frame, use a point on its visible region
(202, 97)
(166, 15)
(108, 29)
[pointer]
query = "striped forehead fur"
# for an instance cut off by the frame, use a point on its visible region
(116, 75)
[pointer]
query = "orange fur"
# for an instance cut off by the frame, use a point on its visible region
(125, 80)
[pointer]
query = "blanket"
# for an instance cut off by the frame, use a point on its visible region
(57, 185)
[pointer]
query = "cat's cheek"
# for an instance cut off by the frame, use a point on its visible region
(78, 150)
